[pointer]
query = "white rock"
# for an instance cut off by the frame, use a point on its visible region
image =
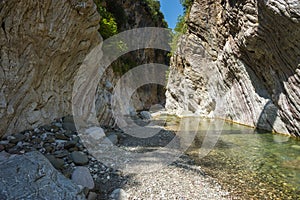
(96, 132)
(119, 194)
(60, 141)
(280, 138)
(296, 147)
(10, 137)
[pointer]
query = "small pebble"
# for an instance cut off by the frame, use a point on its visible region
(56, 162)
(4, 142)
(79, 158)
(119, 194)
(10, 137)
(92, 196)
(20, 144)
(37, 130)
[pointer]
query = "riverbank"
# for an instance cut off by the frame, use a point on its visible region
(60, 144)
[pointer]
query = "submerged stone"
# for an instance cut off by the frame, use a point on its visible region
(296, 147)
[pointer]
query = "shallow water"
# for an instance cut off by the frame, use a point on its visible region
(248, 163)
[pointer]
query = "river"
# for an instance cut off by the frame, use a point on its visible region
(250, 164)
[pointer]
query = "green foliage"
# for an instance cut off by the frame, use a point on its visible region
(115, 8)
(157, 16)
(123, 65)
(186, 4)
(181, 26)
(167, 77)
(179, 30)
(113, 16)
(108, 27)
(108, 24)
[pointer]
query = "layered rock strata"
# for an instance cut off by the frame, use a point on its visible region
(240, 60)
(42, 46)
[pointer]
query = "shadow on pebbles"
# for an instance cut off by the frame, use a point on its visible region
(60, 144)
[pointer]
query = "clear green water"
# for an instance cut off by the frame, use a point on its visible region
(251, 164)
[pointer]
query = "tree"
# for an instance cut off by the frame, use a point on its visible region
(186, 4)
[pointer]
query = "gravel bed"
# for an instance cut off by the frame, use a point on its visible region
(59, 142)
(180, 180)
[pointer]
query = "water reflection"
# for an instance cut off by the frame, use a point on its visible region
(250, 164)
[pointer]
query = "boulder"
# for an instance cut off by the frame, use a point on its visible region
(145, 115)
(82, 176)
(31, 176)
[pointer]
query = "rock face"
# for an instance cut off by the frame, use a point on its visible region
(31, 176)
(42, 46)
(240, 60)
(131, 14)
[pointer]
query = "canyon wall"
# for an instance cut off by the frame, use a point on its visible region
(240, 60)
(42, 45)
(131, 14)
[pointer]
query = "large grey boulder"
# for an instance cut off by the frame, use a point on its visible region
(31, 176)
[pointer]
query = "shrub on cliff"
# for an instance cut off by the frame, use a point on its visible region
(181, 26)
(108, 24)
(186, 4)
(157, 16)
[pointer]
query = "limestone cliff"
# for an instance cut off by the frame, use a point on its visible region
(132, 14)
(240, 60)
(42, 45)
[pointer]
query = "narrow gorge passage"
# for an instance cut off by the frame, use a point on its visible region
(150, 99)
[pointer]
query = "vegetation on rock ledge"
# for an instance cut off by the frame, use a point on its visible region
(108, 24)
(181, 26)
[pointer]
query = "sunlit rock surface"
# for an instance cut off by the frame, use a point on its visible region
(31, 176)
(42, 46)
(240, 60)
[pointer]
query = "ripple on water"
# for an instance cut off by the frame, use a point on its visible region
(252, 165)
